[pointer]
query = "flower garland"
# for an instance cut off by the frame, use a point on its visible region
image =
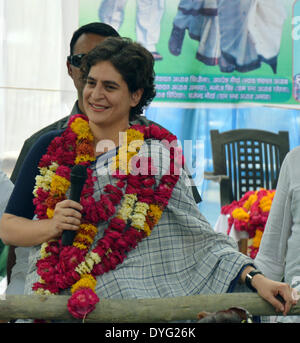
(76, 267)
(250, 214)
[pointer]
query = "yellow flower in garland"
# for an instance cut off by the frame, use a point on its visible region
(44, 254)
(59, 185)
(84, 239)
(147, 229)
(44, 246)
(88, 229)
(84, 149)
(133, 140)
(84, 158)
(134, 135)
(154, 213)
(257, 238)
(135, 146)
(82, 129)
(85, 236)
(251, 200)
(79, 245)
(86, 281)
(240, 214)
(50, 213)
(122, 159)
(43, 181)
(266, 202)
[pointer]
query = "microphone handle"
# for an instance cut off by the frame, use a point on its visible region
(69, 235)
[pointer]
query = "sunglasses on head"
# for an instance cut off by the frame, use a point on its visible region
(75, 60)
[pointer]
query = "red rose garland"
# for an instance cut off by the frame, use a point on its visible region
(62, 267)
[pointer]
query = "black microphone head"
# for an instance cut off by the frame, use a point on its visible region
(78, 174)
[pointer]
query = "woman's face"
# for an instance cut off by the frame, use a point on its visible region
(106, 98)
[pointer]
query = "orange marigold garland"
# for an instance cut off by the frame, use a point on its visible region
(76, 266)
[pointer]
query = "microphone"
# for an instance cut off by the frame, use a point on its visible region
(78, 177)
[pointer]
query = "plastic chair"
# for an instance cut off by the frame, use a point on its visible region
(245, 160)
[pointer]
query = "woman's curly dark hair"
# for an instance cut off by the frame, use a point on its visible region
(132, 61)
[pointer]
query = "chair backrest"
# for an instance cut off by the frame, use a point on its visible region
(251, 158)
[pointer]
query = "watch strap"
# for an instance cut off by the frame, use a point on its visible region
(249, 278)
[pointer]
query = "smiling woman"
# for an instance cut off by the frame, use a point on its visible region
(119, 83)
(107, 101)
(132, 61)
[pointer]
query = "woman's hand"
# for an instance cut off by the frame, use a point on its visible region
(272, 290)
(23, 232)
(66, 216)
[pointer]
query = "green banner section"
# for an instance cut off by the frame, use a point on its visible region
(226, 51)
(211, 88)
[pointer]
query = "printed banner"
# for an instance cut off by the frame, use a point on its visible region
(208, 51)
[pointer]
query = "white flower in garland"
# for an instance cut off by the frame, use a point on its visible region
(44, 180)
(127, 206)
(87, 265)
(138, 217)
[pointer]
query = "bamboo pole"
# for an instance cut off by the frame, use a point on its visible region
(54, 307)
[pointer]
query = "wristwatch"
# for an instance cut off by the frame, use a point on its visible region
(249, 278)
